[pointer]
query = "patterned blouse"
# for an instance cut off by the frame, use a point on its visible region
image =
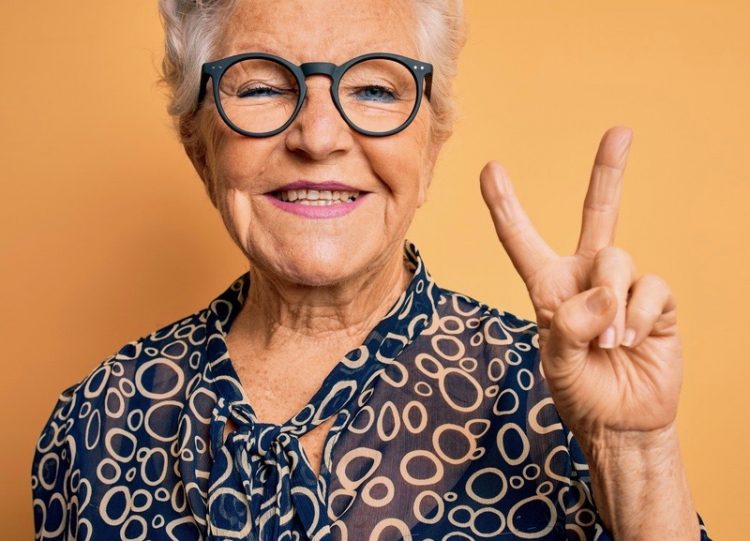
(444, 430)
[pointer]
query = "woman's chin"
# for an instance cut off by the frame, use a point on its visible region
(318, 268)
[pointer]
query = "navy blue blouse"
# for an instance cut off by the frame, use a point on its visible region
(444, 429)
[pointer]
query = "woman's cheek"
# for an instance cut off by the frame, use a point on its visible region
(235, 211)
(241, 212)
(399, 170)
(413, 170)
(236, 169)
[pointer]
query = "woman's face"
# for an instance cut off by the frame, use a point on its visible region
(391, 172)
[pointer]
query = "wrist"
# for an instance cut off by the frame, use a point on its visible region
(640, 486)
(654, 445)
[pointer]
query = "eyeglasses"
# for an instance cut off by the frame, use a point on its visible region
(260, 94)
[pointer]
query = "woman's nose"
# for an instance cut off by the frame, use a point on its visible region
(319, 130)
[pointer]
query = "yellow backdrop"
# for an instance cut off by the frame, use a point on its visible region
(107, 233)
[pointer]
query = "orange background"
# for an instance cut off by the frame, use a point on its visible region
(107, 233)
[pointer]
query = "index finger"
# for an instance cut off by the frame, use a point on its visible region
(527, 250)
(602, 203)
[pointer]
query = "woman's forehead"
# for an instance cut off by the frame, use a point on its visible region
(321, 30)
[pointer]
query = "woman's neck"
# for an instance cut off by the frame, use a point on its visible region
(277, 313)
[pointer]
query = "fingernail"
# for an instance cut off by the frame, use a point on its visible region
(629, 338)
(607, 339)
(598, 302)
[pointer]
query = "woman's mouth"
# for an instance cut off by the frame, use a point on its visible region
(309, 203)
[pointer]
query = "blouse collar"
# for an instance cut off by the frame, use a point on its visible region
(411, 313)
(262, 459)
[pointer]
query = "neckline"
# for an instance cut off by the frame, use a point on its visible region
(411, 313)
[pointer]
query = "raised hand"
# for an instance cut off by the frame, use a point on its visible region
(609, 345)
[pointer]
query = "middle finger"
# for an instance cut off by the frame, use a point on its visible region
(602, 203)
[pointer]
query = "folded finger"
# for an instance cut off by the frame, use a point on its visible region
(613, 267)
(650, 297)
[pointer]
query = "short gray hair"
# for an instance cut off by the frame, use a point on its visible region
(192, 30)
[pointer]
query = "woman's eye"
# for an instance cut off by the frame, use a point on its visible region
(258, 92)
(375, 93)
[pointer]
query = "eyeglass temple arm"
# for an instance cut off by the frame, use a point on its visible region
(205, 76)
(428, 85)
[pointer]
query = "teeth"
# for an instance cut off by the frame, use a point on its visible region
(319, 203)
(319, 197)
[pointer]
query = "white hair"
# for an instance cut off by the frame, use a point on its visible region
(193, 28)
(441, 34)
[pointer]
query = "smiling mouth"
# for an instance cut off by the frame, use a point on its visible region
(317, 197)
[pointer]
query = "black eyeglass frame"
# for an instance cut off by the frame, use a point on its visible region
(421, 71)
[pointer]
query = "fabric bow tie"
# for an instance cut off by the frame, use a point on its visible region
(274, 456)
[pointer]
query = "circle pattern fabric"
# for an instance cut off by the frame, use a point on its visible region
(443, 429)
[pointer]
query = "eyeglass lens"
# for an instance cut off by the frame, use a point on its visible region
(259, 95)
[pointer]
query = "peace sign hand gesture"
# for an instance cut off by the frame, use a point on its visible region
(618, 393)
(628, 381)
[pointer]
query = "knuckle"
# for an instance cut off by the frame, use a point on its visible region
(587, 252)
(643, 312)
(655, 281)
(616, 251)
(600, 206)
(606, 252)
(614, 256)
(564, 320)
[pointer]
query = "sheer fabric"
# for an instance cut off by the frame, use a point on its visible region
(444, 429)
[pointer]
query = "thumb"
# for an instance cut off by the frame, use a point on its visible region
(578, 321)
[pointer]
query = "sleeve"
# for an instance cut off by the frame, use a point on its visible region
(556, 449)
(582, 520)
(54, 501)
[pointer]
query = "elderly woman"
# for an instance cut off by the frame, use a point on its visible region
(335, 391)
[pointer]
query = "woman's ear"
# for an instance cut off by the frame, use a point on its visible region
(194, 142)
(194, 145)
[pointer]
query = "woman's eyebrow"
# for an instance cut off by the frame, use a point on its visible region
(254, 47)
